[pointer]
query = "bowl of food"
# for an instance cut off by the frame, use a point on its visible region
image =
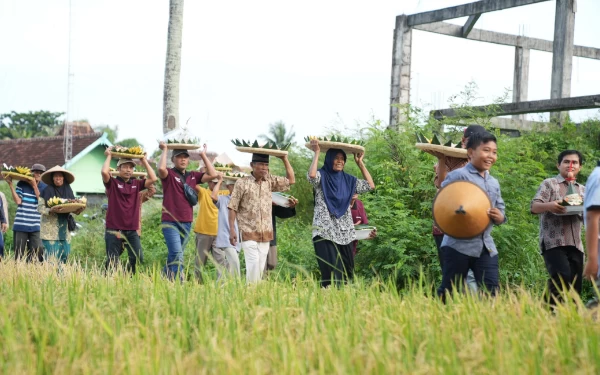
(282, 199)
(363, 231)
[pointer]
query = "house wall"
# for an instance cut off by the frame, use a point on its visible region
(87, 172)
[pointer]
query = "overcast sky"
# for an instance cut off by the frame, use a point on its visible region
(245, 64)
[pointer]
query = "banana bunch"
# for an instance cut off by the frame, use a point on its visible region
(137, 150)
(55, 201)
(24, 171)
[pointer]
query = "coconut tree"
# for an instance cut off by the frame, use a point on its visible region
(173, 67)
(279, 134)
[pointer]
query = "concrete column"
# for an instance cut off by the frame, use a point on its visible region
(562, 56)
(400, 86)
(521, 78)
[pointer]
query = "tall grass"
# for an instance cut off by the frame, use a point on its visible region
(77, 321)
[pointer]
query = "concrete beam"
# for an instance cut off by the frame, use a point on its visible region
(562, 57)
(466, 29)
(536, 106)
(517, 124)
(480, 35)
(521, 78)
(465, 10)
(401, 57)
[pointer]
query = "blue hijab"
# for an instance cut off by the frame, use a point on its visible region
(338, 187)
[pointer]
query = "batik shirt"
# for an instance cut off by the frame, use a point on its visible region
(326, 225)
(557, 230)
(252, 201)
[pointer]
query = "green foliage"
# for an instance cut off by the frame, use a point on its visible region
(130, 142)
(279, 135)
(112, 132)
(15, 125)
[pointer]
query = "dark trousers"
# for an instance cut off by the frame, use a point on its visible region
(117, 241)
(456, 266)
(565, 266)
(438, 243)
(336, 262)
(30, 241)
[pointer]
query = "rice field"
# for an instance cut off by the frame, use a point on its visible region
(76, 321)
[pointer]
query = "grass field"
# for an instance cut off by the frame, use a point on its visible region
(77, 321)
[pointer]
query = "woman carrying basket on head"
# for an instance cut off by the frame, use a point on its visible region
(54, 231)
(333, 228)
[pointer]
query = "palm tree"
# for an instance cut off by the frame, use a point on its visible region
(173, 67)
(278, 134)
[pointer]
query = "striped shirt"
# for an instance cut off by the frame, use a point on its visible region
(27, 218)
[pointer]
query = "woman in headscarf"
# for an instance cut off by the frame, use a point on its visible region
(54, 225)
(333, 228)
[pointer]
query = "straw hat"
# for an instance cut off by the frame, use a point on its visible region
(460, 209)
(47, 176)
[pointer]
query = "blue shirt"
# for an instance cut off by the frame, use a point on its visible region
(474, 246)
(27, 218)
(592, 195)
(222, 240)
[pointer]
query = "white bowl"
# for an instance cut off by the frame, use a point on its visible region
(280, 200)
(363, 234)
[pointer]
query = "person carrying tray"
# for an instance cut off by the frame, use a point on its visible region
(26, 227)
(124, 210)
(177, 212)
(333, 228)
(252, 204)
(560, 236)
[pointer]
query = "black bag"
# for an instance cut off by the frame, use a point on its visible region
(190, 193)
(71, 225)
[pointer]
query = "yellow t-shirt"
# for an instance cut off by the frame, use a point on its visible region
(208, 214)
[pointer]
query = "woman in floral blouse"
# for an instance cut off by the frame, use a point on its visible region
(54, 225)
(333, 229)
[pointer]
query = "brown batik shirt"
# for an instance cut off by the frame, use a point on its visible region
(557, 230)
(252, 201)
(451, 164)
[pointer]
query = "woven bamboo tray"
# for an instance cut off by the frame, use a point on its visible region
(224, 169)
(68, 207)
(122, 155)
(265, 151)
(182, 146)
(18, 176)
(454, 152)
(347, 147)
(134, 174)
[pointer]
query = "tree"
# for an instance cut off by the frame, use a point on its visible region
(173, 67)
(15, 125)
(112, 133)
(279, 134)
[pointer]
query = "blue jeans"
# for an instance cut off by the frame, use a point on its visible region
(176, 236)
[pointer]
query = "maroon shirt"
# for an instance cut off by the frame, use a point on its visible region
(358, 213)
(123, 203)
(175, 206)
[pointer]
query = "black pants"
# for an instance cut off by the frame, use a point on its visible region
(334, 259)
(117, 241)
(456, 267)
(565, 266)
(30, 241)
(438, 243)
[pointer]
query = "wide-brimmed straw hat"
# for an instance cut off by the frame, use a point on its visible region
(47, 176)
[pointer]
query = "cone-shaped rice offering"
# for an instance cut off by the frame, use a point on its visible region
(460, 209)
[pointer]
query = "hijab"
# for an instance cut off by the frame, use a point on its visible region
(338, 186)
(52, 190)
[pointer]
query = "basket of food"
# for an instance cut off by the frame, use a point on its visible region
(233, 176)
(572, 201)
(254, 148)
(135, 174)
(282, 199)
(351, 146)
(183, 144)
(363, 231)
(17, 173)
(64, 206)
(436, 146)
(222, 167)
(122, 152)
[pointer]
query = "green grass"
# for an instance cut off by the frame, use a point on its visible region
(81, 321)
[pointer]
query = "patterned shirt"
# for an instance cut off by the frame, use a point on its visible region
(54, 226)
(556, 230)
(326, 225)
(252, 201)
(451, 165)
